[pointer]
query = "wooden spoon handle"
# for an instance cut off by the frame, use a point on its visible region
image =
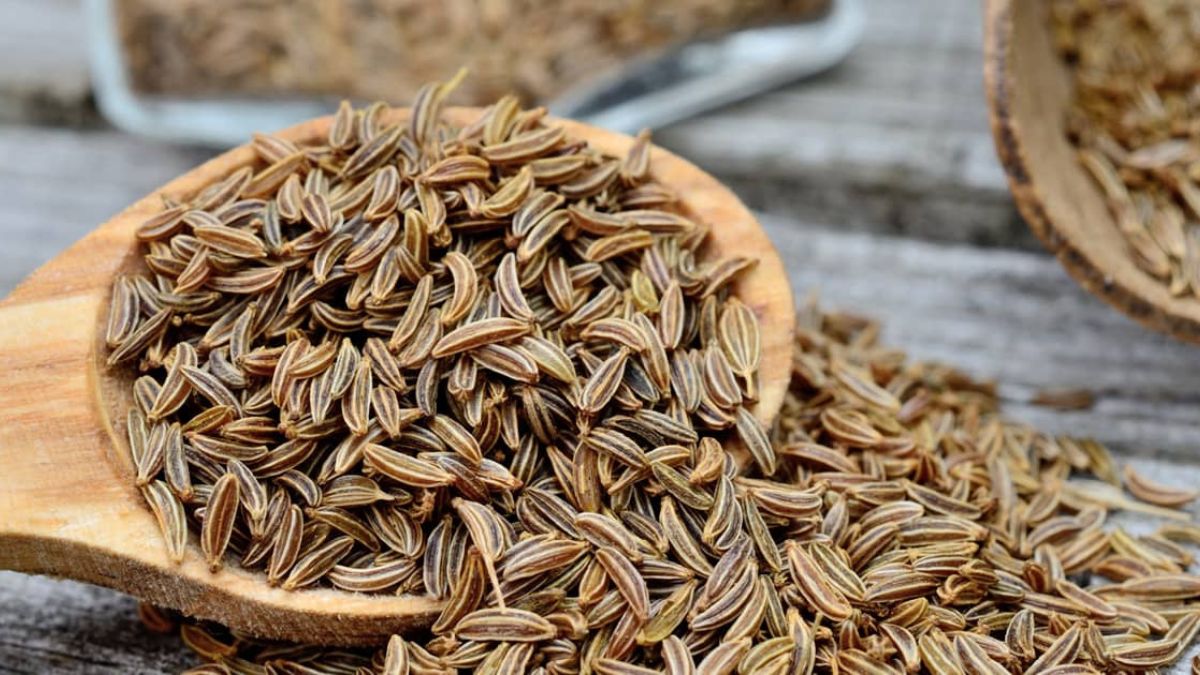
(54, 444)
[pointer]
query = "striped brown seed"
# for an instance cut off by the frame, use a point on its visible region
(169, 513)
(815, 585)
(1156, 493)
(220, 515)
(479, 333)
(495, 624)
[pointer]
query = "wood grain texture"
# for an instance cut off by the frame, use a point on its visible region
(67, 505)
(49, 626)
(66, 181)
(1014, 317)
(1029, 91)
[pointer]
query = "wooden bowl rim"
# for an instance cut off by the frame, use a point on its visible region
(1015, 158)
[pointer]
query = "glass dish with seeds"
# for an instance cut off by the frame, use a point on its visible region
(384, 49)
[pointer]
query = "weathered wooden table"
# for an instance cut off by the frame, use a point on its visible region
(877, 181)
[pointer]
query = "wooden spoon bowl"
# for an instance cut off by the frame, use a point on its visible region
(68, 505)
(1029, 90)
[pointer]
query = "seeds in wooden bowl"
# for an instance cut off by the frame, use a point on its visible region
(1136, 121)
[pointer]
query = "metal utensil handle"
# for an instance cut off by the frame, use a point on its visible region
(700, 76)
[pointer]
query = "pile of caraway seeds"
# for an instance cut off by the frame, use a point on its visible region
(492, 365)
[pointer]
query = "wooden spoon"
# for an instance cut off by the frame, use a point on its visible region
(68, 506)
(1029, 90)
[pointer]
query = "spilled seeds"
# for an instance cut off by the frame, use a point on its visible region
(386, 49)
(951, 542)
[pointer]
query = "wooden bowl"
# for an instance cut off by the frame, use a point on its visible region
(1029, 90)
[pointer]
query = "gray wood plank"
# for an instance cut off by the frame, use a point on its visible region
(43, 63)
(1012, 316)
(58, 184)
(49, 626)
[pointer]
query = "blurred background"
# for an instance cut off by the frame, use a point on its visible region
(386, 49)
(891, 139)
(857, 131)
